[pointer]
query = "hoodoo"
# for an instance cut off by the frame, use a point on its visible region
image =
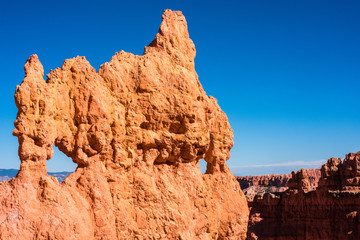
(137, 129)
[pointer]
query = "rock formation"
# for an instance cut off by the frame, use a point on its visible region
(274, 183)
(137, 129)
(329, 212)
(299, 181)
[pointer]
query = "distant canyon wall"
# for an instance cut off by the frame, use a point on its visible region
(330, 212)
(273, 183)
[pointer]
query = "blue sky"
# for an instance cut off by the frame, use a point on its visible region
(285, 72)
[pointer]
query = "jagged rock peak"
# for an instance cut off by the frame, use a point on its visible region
(33, 67)
(341, 175)
(173, 39)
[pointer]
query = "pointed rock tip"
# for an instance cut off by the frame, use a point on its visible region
(173, 38)
(33, 66)
(173, 22)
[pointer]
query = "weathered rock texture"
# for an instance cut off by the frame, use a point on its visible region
(274, 183)
(330, 212)
(137, 129)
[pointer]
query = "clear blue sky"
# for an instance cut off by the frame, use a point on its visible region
(285, 72)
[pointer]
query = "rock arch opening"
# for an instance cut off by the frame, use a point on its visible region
(202, 166)
(60, 166)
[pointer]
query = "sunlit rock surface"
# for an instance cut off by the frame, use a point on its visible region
(137, 129)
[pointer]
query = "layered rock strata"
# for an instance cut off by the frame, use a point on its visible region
(329, 212)
(137, 129)
(273, 183)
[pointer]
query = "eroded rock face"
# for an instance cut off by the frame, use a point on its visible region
(299, 181)
(275, 183)
(329, 212)
(137, 129)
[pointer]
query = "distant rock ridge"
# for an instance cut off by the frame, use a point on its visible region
(274, 183)
(137, 129)
(7, 174)
(331, 212)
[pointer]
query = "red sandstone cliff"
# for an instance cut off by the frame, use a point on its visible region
(329, 212)
(273, 183)
(137, 129)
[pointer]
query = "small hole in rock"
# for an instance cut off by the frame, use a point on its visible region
(202, 166)
(60, 166)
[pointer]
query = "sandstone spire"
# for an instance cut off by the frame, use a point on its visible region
(137, 129)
